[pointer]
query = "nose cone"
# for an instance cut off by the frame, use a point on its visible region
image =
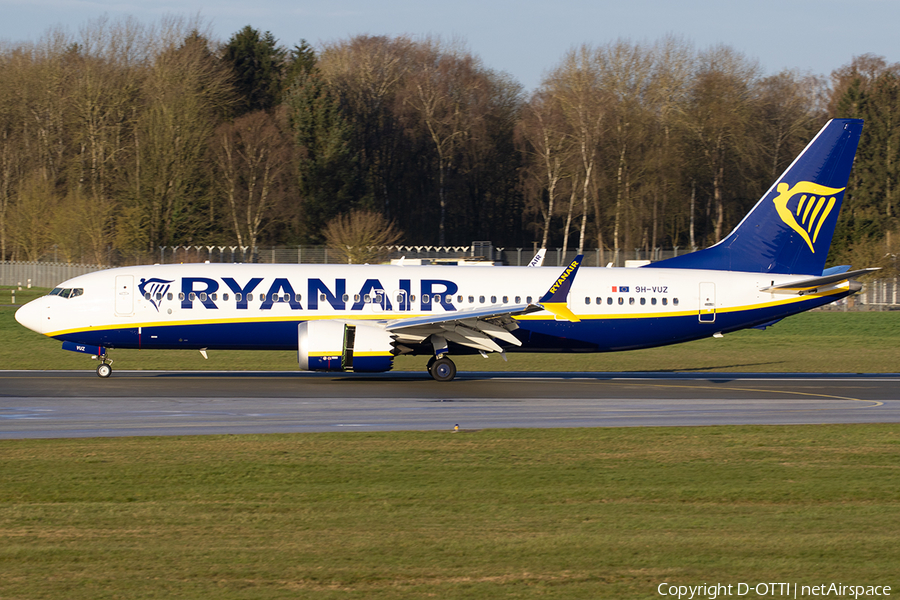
(30, 316)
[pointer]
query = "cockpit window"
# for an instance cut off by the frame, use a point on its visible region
(66, 292)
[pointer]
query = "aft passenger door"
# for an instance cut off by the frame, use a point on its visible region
(707, 302)
(124, 295)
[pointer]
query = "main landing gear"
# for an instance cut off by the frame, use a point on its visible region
(441, 368)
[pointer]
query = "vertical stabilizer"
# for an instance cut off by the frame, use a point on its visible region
(790, 228)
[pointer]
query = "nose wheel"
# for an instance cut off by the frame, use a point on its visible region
(442, 369)
(104, 370)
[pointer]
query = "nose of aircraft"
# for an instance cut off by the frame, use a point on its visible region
(30, 316)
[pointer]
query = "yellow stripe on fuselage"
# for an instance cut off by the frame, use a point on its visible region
(541, 316)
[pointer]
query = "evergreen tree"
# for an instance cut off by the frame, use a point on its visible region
(258, 63)
(327, 168)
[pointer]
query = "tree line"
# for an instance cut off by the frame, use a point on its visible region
(128, 136)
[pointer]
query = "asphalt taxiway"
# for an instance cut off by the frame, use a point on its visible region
(79, 404)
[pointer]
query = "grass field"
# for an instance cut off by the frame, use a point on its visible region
(811, 342)
(576, 513)
(590, 513)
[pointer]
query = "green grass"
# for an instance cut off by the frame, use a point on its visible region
(591, 513)
(822, 341)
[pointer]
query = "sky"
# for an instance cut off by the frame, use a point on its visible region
(524, 38)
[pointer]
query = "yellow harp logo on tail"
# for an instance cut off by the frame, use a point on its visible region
(810, 211)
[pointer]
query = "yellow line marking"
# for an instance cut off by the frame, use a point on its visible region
(874, 403)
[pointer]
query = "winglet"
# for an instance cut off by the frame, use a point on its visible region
(556, 298)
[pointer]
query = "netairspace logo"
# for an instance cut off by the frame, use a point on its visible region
(770, 590)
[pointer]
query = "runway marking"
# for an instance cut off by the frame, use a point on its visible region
(874, 403)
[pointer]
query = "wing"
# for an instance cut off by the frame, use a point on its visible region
(481, 328)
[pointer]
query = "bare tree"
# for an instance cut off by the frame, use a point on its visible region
(545, 141)
(441, 91)
(575, 85)
(253, 158)
(30, 226)
(717, 116)
(361, 236)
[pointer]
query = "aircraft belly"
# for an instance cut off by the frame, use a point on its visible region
(613, 334)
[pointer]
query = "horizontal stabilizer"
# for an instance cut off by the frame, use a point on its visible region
(804, 285)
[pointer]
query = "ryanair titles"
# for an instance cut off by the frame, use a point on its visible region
(207, 292)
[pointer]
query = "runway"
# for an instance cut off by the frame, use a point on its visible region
(52, 404)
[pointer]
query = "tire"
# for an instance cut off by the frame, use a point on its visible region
(443, 369)
(104, 370)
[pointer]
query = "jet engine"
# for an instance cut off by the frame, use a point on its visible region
(336, 346)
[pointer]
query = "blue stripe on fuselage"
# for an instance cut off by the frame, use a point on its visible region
(591, 334)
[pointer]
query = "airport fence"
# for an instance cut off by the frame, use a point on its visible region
(485, 251)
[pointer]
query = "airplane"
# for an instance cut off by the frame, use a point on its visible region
(359, 317)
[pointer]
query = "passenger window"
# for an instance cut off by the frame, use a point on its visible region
(631, 301)
(356, 298)
(653, 301)
(518, 299)
(297, 297)
(237, 297)
(412, 298)
(345, 298)
(146, 295)
(621, 300)
(214, 296)
(493, 299)
(378, 298)
(609, 300)
(643, 301)
(528, 300)
(181, 295)
(426, 299)
(675, 301)
(471, 299)
(665, 301)
(250, 297)
(587, 300)
(459, 299)
(225, 297)
(202, 296)
(159, 295)
(169, 296)
(481, 299)
(192, 296)
(262, 297)
(505, 299)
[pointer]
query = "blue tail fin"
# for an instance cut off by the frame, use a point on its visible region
(790, 228)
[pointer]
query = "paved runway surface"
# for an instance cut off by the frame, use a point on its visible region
(79, 404)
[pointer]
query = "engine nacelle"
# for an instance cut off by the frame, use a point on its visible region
(334, 346)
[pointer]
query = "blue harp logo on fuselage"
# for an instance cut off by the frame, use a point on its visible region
(154, 290)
